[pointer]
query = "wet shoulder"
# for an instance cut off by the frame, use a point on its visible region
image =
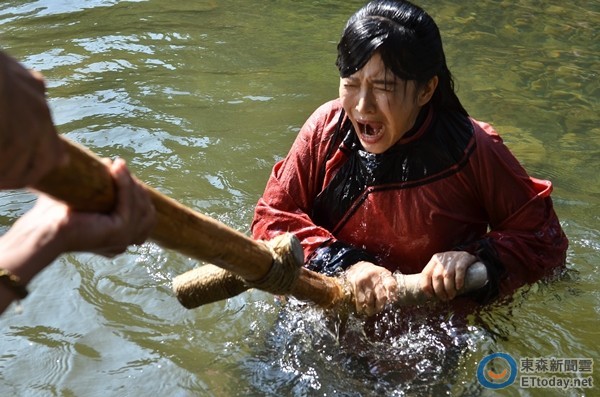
(322, 122)
(485, 134)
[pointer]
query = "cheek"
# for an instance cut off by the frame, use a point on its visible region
(342, 91)
(386, 106)
(345, 99)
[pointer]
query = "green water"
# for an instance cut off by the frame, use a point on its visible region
(201, 98)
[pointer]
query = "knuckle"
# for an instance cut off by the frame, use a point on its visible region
(438, 276)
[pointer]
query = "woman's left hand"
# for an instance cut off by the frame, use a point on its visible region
(444, 275)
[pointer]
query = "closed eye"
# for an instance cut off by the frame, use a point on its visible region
(349, 83)
(386, 88)
(383, 85)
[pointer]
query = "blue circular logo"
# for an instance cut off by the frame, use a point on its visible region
(497, 370)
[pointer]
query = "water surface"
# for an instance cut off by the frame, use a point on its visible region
(201, 98)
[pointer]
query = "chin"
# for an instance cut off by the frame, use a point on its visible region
(375, 148)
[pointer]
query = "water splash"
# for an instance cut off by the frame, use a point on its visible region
(398, 353)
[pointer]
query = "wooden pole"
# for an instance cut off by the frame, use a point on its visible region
(208, 284)
(86, 185)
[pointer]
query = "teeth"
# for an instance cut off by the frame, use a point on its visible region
(370, 130)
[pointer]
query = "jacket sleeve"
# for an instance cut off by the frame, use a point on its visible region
(525, 241)
(286, 203)
(288, 198)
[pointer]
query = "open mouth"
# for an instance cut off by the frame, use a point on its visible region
(371, 130)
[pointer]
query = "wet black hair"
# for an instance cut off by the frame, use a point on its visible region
(409, 43)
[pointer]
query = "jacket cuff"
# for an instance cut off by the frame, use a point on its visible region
(486, 254)
(336, 257)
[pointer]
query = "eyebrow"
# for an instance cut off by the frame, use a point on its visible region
(376, 81)
(384, 81)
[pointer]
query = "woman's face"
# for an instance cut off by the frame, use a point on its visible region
(382, 107)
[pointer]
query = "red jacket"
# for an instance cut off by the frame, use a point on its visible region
(448, 184)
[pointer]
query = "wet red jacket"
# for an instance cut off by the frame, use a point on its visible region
(448, 184)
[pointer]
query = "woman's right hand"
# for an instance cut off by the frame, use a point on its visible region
(373, 286)
(444, 275)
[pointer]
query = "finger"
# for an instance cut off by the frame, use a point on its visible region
(391, 287)
(371, 303)
(380, 297)
(369, 298)
(387, 290)
(426, 282)
(437, 280)
(145, 211)
(359, 299)
(123, 180)
(449, 282)
(137, 207)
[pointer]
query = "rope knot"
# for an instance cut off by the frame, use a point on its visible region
(288, 259)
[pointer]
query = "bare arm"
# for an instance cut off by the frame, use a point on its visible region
(51, 228)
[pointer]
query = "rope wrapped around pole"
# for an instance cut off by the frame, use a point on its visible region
(209, 283)
(287, 262)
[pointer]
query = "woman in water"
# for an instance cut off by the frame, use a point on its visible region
(394, 175)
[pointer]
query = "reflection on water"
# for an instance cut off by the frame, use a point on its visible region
(201, 98)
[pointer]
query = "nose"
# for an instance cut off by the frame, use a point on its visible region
(366, 102)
